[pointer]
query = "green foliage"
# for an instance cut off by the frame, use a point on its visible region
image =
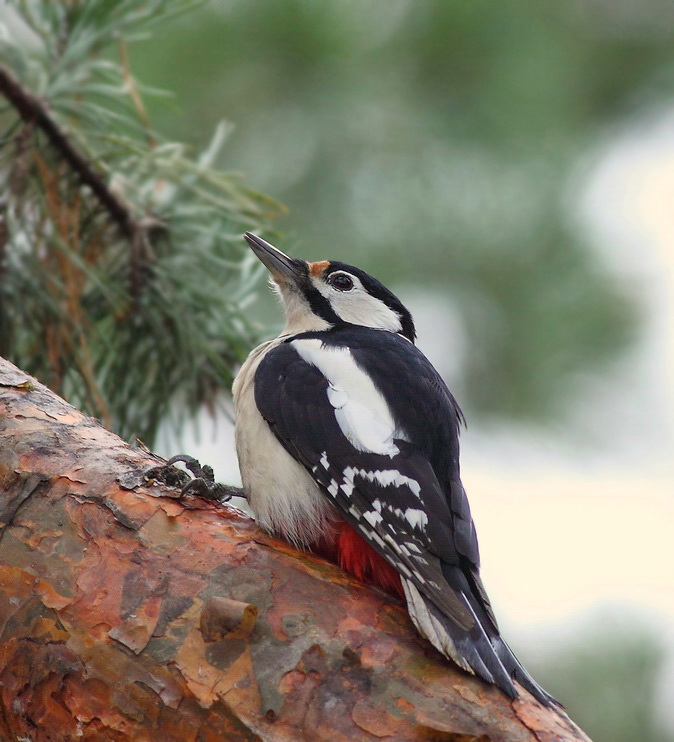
(439, 143)
(609, 680)
(132, 306)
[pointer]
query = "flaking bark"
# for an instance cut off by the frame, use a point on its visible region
(128, 614)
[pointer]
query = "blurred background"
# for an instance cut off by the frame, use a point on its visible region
(508, 170)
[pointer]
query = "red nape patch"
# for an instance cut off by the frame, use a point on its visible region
(319, 267)
(356, 557)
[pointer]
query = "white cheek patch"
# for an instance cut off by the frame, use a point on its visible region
(360, 410)
(358, 307)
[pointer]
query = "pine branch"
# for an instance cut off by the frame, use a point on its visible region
(125, 278)
(34, 111)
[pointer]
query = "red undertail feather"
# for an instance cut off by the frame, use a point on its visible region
(356, 557)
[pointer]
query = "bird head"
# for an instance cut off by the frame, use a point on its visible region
(320, 295)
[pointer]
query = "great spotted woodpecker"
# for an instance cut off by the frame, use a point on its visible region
(348, 444)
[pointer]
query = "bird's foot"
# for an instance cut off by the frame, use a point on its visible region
(203, 484)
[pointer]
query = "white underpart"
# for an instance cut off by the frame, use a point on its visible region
(358, 306)
(361, 411)
(281, 493)
(429, 626)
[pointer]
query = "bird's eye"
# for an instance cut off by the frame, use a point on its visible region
(341, 281)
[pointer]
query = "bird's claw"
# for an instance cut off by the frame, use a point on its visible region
(203, 484)
(193, 465)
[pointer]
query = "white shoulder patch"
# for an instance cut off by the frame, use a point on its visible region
(361, 412)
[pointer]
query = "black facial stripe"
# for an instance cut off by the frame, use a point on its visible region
(320, 305)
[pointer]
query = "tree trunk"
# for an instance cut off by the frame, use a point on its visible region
(129, 614)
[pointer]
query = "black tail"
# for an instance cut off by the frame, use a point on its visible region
(517, 672)
(479, 650)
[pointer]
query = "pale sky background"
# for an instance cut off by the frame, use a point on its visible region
(578, 520)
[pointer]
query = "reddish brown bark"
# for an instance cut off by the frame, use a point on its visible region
(126, 614)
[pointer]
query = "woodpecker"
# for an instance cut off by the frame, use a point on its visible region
(348, 445)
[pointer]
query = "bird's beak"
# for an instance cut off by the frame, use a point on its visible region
(282, 267)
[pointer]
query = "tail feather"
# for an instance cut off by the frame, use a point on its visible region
(480, 650)
(517, 671)
(471, 650)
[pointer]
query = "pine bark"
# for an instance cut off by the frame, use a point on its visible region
(127, 613)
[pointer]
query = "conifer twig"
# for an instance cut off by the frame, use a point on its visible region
(34, 111)
(95, 277)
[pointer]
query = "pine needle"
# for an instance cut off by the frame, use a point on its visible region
(123, 277)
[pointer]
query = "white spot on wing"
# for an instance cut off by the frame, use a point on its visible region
(347, 484)
(416, 518)
(385, 478)
(324, 460)
(347, 488)
(372, 517)
(388, 477)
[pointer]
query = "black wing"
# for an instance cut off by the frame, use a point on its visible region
(409, 505)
